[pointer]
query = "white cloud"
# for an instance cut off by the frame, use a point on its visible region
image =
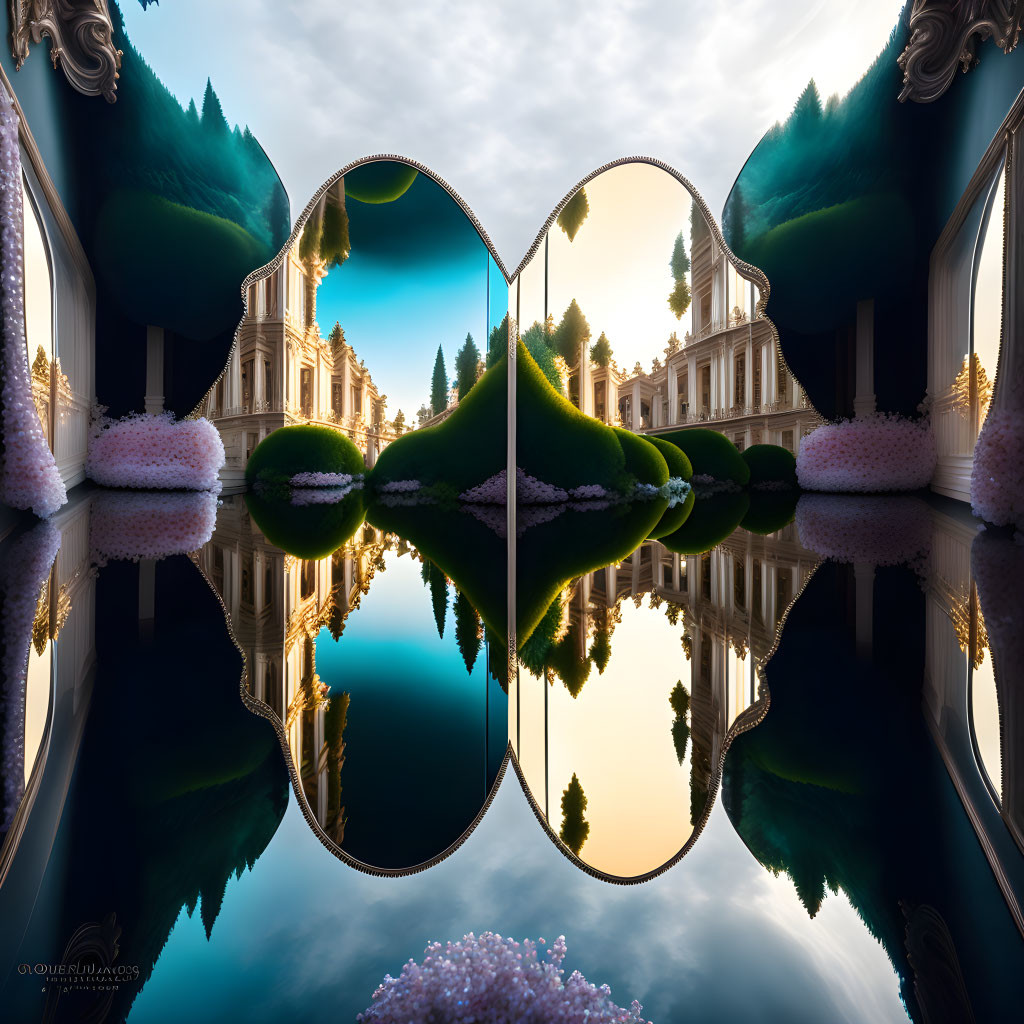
(511, 103)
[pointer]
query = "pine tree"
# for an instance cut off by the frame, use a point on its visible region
(469, 632)
(465, 366)
(573, 214)
(213, 119)
(680, 262)
(679, 298)
(192, 114)
(439, 385)
(679, 699)
(439, 597)
(806, 111)
(399, 422)
(734, 221)
(575, 828)
(497, 343)
(536, 343)
(601, 351)
(572, 333)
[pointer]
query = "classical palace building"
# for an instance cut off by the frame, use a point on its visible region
(282, 372)
(728, 374)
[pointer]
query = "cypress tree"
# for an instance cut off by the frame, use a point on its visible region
(572, 333)
(497, 343)
(469, 632)
(680, 262)
(439, 385)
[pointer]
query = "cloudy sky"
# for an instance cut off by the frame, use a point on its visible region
(512, 104)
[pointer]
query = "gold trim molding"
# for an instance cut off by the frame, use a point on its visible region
(81, 41)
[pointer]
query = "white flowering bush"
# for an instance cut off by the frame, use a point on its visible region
(875, 529)
(29, 477)
(881, 452)
(154, 452)
(997, 481)
(493, 980)
(129, 526)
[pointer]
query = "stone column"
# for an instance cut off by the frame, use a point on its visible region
(691, 384)
(864, 397)
(765, 399)
(586, 382)
(635, 406)
(748, 370)
(154, 400)
(672, 383)
(864, 590)
(714, 382)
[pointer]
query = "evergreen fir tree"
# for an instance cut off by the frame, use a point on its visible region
(536, 344)
(601, 351)
(213, 119)
(439, 597)
(497, 343)
(572, 333)
(439, 385)
(680, 262)
(575, 828)
(468, 630)
(679, 699)
(573, 214)
(465, 366)
(192, 114)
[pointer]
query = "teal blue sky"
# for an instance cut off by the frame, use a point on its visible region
(418, 276)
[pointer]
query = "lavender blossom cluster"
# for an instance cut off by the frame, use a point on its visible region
(23, 573)
(997, 483)
(880, 452)
(29, 477)
(494, 980)
(148, 451)
(319, 495)
(322, 480)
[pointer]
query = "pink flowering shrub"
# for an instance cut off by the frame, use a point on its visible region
(24, 567)
(877, 529)
(29, 477)
(491, 980)
(881, 452)
(997, 482)
(155, 452)
(126, 526)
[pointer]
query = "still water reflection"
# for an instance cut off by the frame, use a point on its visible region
(861, 864)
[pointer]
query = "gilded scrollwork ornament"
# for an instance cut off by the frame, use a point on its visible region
(81, 41)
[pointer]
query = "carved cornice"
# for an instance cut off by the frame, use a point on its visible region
(944, 35)
(81, 40)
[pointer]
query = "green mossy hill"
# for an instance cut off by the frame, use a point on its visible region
(551, 554)
(678, 463)
(557, 443)
(674, 518)
(305, 448)
(466, 551)
(710, 454)
(770, 464)
(143, 242)
(462, 451)
(770, 510)
(711, 521)
(849, 259)
(382, 181)
(306, 531)
(643, 459)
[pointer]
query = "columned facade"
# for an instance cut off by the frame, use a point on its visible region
(282, 371)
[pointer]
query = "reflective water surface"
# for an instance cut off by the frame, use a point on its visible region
(252, 784)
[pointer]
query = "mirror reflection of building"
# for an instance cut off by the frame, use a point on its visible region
(718, 615)
(282, 372)
(277, 605)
